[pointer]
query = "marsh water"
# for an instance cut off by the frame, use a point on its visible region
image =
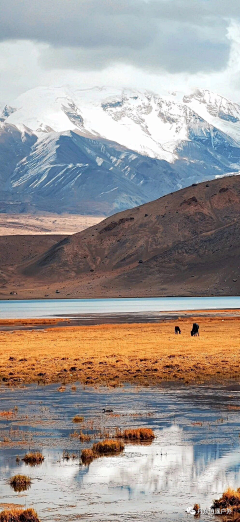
(39, 308)
(194, 457)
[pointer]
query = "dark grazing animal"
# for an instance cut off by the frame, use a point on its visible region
(177, 330)
(195, 330)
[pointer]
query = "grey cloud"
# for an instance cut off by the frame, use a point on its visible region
(171, 52)
(171, 35)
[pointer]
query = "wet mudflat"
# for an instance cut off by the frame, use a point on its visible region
(194, 457)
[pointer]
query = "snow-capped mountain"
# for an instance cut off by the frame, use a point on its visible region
(217, 111)
(14, 145)
(102, 150)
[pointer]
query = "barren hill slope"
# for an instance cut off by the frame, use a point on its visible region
(15, 252)
(186, 243)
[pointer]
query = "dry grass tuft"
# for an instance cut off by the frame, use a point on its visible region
(20, 483)
(33, 459)
(138, 434)
(74, 435)
(83, 437)
(196, 508)
(6, 414)
(19, 515)
(230, 499)
(87, 456)
(106, 447)
(78, 418)
(68, 456)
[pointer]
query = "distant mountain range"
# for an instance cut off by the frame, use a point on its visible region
(99, 151)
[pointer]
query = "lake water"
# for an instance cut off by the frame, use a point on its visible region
(194, 458)
(72, 307)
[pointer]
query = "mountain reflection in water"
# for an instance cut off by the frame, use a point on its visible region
(194, 457)
(167, 474)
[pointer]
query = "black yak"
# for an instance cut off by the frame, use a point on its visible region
(195, 330)
(177, 330)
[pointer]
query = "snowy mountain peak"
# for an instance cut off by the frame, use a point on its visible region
(6, 112)
(104, 149)
(142, 121)
(214, 102)
(216, 110)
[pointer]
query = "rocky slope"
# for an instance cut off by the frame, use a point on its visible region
(186, 243)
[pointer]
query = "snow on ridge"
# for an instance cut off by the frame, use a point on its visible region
(108, 191)
(217, 111)
(218, 176)
(140, 120)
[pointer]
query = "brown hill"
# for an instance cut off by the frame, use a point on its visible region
(15, 253)
(186, 243)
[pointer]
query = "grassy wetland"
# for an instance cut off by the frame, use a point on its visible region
(112, 355)
(149, 441)
(119, 421)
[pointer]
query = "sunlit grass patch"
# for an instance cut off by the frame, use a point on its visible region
(105, 447)
(78, 418)
(87, 456)
(230, 499)
(62, 389)
(196, 508)
(33, 458)
(19, 515)
(20, 483)
(6, 414)
(83, 437)
(108, 447)
(138, 434)
(165, 358)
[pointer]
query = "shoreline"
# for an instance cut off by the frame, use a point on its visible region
(115, 318)
(59, 296)
(145, 354)
(94, 319)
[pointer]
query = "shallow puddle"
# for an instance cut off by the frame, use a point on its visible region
(193, 459)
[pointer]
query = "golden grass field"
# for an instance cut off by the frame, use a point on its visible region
(141, 354)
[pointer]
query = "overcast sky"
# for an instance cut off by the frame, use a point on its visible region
(153, 44)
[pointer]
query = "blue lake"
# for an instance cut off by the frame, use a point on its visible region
(71, 307)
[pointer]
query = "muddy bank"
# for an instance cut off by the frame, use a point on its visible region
(93, 319)
(112, 355)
